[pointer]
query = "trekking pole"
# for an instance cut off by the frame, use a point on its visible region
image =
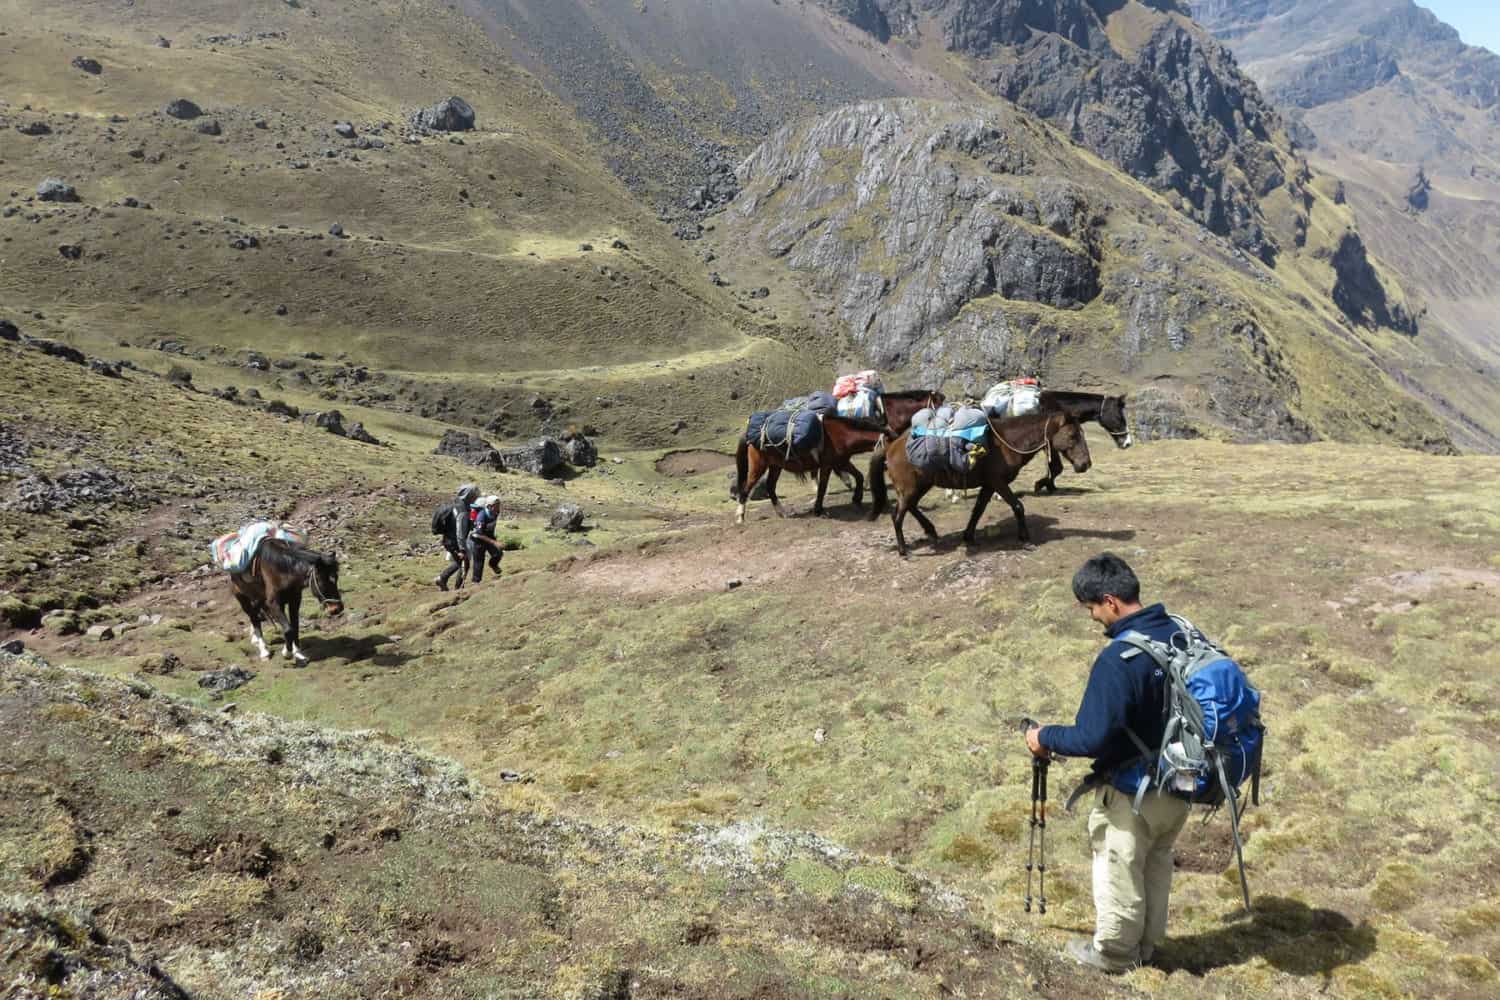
(1042, 763)
(1037, 859)
(1036, 778)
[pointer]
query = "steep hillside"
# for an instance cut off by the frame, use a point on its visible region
(472, 271)
(677, 91)
(1387, 97)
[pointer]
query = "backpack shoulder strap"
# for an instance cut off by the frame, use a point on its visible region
(1139, 641)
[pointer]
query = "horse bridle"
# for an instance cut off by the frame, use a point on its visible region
(317, 587)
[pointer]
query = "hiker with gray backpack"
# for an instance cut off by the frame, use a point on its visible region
(450, 522)
(1170, 720)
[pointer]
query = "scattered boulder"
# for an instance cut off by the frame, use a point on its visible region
(16, 613)
(38, 494)
(163, 42)
(471, 449)
(61, 623)
(183, 110)
(336, 230)
(9, 330)
(281, 310)
(53, 189)
(541, 457)
(358, 433)
(34, 128)
(109, 369)
(100, 633)
(345, 130)
(226, 680)
(452, 115)
(178, 375)
(760, 293)
(57, 350)
(585, 247)
(90, 66)
(15, 647)
(279, 407)
(568, 517)
(618, 245)
(715, 279)
(211, 127)
(70, 251)
(331, 421)
(158, 664)
(579, 451)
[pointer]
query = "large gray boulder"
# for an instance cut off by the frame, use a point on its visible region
(471, 449)
(54, 189)
(541, 457)
(452, 115)
(578, 451)
(183, 109)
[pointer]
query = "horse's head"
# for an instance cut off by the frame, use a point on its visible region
(323, 576)
(1067, 440)
(1112, 419)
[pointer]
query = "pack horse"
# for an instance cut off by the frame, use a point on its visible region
(271, 587)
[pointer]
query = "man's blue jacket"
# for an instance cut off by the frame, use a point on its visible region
(1121, 692)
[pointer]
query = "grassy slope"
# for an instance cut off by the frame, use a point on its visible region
(634, 688)
(462, 258)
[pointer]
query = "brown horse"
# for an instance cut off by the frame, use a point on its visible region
(272, 588)
(1008, 447)
(842, 440)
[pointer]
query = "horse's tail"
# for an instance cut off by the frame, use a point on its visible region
(742, 468)
(877, 480)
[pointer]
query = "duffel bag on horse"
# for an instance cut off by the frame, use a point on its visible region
(849, 385)
(861, 405)
(791, 433)
(1015, 398)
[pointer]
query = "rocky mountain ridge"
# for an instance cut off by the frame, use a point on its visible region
(1386, 96)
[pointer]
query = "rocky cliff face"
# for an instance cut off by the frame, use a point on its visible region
(959, 243)
(1136, 83)
(1388, 97)
(904, 215)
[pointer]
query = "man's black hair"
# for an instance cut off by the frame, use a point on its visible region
(1106, 575)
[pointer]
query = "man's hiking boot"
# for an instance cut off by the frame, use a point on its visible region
(441, 583)
(1082, 951)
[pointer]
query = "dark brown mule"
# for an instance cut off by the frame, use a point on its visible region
(842, 440)
(1086, 406)
(1009, 446)
(272, 588)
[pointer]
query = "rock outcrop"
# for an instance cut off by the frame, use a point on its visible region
(905, 212)
(471, 449)
(451, 115)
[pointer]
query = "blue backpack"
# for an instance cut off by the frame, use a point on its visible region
(1213, 738)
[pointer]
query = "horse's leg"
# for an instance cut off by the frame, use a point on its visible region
(293, 615)
(750, 466)
(979, 505)
(278, 617)
(858, 483)
(916, 511)
(1015, 505)
(772, 477)
(898, 514)
(252, 612)
(1048, 482)
(824, 474)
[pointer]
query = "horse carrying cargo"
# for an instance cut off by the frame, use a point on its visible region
(233, 552)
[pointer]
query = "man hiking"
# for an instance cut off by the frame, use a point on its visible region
(452, 521)
(1120, 716)
(482, 540)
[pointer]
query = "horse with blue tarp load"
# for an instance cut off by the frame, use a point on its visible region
(806, 437)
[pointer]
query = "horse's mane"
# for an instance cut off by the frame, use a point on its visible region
(282, 555)
(1064, 398)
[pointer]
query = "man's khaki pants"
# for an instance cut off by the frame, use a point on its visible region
(1132, 870)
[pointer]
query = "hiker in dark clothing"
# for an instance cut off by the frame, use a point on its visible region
(1120, 716)
(456, 537)
(482, 541)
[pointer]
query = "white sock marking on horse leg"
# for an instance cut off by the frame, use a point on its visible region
(739, 514)
(297, 653)
(260, 642)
